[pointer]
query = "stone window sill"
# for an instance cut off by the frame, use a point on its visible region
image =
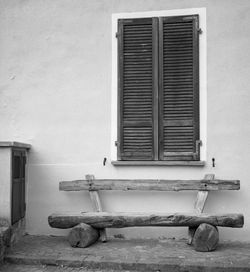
(158, 163)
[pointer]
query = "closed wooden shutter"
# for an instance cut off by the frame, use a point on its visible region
(137, 85)
(179, 88)
(18, 185)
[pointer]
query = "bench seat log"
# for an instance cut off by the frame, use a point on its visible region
(147, 185)
(102, 220)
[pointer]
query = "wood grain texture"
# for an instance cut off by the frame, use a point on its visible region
(136, 82)
(129, 219)
(155, 83)
(94, 196)
(206, 238)
(83, 235)
(202, 196)
(147, 184)
(179, 87)
(199, 206)
(200, 201)
(96, 202)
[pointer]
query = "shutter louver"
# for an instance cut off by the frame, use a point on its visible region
(179, 88)
(136, 88)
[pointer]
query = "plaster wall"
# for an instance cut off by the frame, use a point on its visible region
(55, 93)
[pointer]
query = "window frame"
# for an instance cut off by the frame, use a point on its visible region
(202, 82)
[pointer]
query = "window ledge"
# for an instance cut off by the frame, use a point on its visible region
(158, 163)
(14, 144)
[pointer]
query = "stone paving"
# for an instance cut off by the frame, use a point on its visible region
(45, 268)
(118, 254)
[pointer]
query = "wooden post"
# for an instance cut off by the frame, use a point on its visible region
(199, 207)
(200, 201)
(83, 235)
(206, 238)
(94, 195)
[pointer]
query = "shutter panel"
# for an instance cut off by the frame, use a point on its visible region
(179, 88)
(18, 185)
(137, 85)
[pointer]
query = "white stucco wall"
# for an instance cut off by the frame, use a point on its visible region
(55, 93)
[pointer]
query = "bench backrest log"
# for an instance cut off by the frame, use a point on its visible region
(149, 185)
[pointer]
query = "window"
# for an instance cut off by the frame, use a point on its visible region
(158, 89)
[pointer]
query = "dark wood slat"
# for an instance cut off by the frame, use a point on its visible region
(161, 91)
(137, 124)
(176, 78)
(156, 90)
(178, 42)
(136, 90)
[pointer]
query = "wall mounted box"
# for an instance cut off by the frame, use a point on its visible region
(13, 157)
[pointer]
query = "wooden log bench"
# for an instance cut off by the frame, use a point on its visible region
(87, 227)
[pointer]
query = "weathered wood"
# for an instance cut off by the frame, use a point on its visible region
(94, 195)
(147, 184)
(121, 220)
(206, 238)
(131, 128)
(83, 235)
(202, 196)
(155, 77)
(199, 206)
(200, 201)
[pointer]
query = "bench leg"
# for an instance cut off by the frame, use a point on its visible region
(206, 238)
(191, 232)
(83, 235)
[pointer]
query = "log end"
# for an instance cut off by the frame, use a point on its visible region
(236, 221)
(205, 238)
(83, 235)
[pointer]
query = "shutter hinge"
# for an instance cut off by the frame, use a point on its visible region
(117, 34)
(199, 30)
(117, 143)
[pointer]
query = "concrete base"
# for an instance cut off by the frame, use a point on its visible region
(17, 231)
(138, 255)
(5, 235)
(10, 235)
